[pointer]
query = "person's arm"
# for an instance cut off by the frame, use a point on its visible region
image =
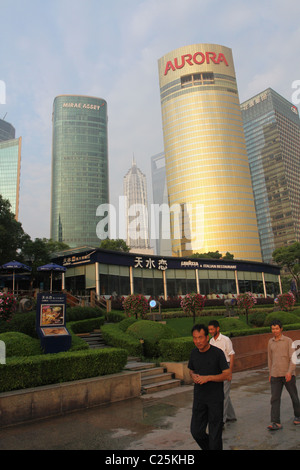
(202, 379)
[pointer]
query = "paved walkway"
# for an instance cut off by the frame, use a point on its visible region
(161, 421)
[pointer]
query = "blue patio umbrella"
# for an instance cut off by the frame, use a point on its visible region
(13, 266)
(52, 267)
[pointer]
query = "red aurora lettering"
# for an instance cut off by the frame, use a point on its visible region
(197, 59)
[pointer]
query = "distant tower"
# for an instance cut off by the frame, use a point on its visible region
(272, 131)
(10, 165)
(79, 168)
(135, 190)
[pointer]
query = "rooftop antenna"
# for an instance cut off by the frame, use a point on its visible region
(4, 116)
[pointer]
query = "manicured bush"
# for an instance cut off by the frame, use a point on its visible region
(177, 350)
(19, 344)
(124, 324)
(86, 326)
(257, 318)
(229, 324)
(82, 313)
(286, 318)
(114, 317)
(151, 333)
(34, 371)
(114, 336)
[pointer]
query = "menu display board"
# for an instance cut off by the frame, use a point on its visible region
(51, 322)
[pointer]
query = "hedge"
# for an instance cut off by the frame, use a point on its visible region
(19, 344)
(86, 326)
(179, 349)
(151, 333)
(34, 371)
(114, 336)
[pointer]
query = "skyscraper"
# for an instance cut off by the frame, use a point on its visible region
(272, 131)
(207, 169)
(10, 165)
(79, 168)
(135, 191)
(161, 220)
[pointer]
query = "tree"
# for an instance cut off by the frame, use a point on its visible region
(192, 304)
(12, 235)
(288, 257)
(213, 255)
(114, 245)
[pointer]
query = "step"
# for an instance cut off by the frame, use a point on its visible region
(152, 371)
(136, 365)
(153, 379)
(165, 385)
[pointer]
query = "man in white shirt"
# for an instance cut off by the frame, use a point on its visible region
(224, 343)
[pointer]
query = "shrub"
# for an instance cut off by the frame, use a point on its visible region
(193, 304)
(21, 322)
(85, 326)
(258, 318)
(82, 313)
(176, 350)
(229, 324)
(8, 305)
(19, 344)
(124, 324)
(135, 305)
(34, 371)
(151, 333)
(286, 318)
(114, 336)
(286, 301)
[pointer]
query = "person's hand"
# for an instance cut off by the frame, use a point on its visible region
(288, 377)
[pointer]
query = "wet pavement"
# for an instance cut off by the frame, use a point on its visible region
(161, 422)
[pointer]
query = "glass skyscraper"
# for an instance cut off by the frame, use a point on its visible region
(272, 131)
(135, 190)
(79, 168)
(10, 165)
(207, 169)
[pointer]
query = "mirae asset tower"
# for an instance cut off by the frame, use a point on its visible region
(207, 168)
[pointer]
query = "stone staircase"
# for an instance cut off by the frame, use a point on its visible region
(153, 378)
(94, 339)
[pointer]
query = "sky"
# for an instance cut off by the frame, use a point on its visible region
(110, 49)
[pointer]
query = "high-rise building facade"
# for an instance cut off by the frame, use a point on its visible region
(272, 131)
(7, 131)
(161, 220)
(10, 165)
(207, 169)
(79, 168)
(135, 192)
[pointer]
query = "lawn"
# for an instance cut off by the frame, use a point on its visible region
(184, 325)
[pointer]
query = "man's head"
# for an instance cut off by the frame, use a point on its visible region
(200, 337)
(276, 328)
(214, 328)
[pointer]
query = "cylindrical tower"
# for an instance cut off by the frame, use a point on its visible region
(79, 168)
(208, 177)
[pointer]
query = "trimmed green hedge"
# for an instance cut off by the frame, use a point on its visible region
(114, 336)
(151, 333)
(179, 349)
(86, 326)
(19, 344)
(34, 371)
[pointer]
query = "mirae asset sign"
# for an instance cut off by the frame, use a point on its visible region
(83, 106)
(198, 58)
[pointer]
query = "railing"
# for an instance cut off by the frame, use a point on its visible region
(97, 301)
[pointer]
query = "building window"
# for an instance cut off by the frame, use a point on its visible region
(205, 78)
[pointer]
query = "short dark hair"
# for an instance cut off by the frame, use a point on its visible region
(214, 323)
(199, 327)
(276, 322)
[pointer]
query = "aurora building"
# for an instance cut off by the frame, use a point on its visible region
(207, 169)
(79, 168)
(272, 131)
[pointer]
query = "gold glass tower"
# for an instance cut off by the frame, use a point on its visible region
(208, 177)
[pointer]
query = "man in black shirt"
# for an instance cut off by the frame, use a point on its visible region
(208, 369)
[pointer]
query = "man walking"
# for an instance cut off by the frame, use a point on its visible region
(208, 369)
(282, 371)
(224, 343)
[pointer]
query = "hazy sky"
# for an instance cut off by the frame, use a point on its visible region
(110, 49)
